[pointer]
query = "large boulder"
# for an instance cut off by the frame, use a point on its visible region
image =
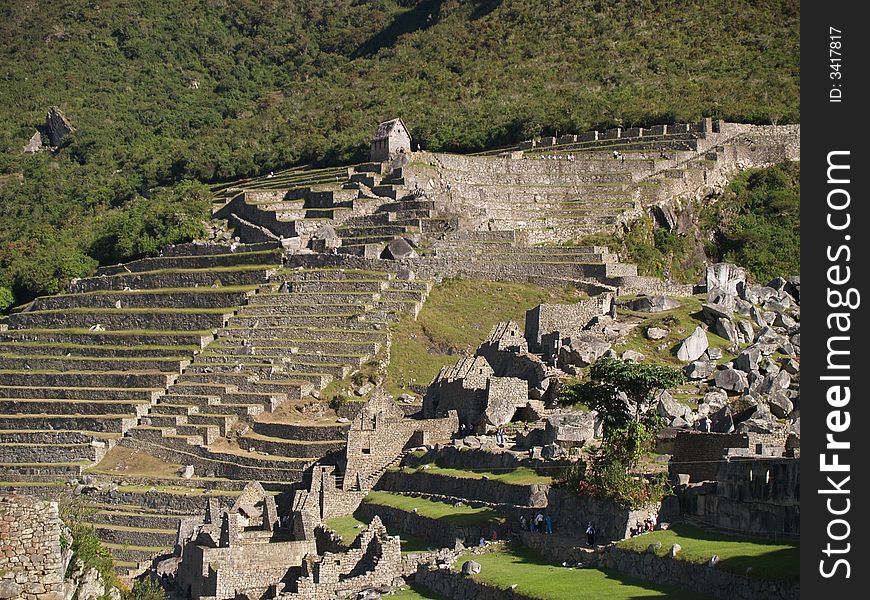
(569, 430)
(34, 145)
(693, 346)
(719, 310)
(721, 421)
(582, 350)
(652, 304)
(725, 279)
(725, 329)
(780, 405)
(399, 249)
(470, 567)
(670, 409)
(731, 380)
(700, 369)
(58, 125)
(747, 361)
(656, 333)
(747, 333)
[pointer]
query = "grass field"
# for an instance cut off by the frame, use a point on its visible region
(518, 476)
(347, 528)
(431, 509)
(769, 560)
(456, 318)
(536, 578)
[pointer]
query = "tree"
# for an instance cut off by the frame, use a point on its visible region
(622, 393)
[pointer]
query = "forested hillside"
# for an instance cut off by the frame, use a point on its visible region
(209, 90)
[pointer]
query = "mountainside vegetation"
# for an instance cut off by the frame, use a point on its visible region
(210, 90)
(754, 222)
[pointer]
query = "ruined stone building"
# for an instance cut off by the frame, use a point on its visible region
(242, 549)
(247, 551)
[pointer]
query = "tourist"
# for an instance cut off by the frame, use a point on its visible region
(524, 525)
(539, 522)
(590, 535)
(548, 524)
(532, 523)
(499, 436)
(481, 542)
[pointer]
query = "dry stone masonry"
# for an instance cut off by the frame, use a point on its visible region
(194, 359)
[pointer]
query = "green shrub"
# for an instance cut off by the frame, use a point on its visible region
(146, 589)
(6, 298)
(142, 227)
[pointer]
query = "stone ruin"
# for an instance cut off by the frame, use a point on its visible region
(308, 247)
(504, 381)
(248, 551)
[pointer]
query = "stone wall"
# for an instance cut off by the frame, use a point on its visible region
(699, 454)
(565, 318)
(32, 562)
(451, 584)
(753, 496)
(697, 578)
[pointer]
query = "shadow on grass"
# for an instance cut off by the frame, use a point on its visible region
(781, 562)
(524, 556)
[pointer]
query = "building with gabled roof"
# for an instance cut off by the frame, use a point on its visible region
(391, 138)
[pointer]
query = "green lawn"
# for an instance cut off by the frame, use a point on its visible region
(769, 560)
(536, 578)
(518, 476)
(346, 528)
(456, 318)
(432, 509)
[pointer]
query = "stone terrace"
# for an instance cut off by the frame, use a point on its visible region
(168, 355)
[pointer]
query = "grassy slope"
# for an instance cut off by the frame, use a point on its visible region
(458, 515)
(456, 318)
(754, 223)
(348, 529)
(537, 578)
(769, 560)
(519, 476)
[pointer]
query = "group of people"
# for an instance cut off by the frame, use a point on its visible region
(644, 526)
(538, 523)
(465, 430)
(568, 157)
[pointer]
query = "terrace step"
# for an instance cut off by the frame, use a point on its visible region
(81, 393)
(113, 379)
(85, 363)
(293, 310)
(108, 423)
(110, 338)
(51, 349)
(131, 318)
(306, 347)
(135, 535)
(281, 299)
(33, 406)
(182, 278)
(209, 261)
(206, 297)
(316, 334)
